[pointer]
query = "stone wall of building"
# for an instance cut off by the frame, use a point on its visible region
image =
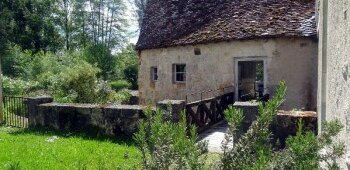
(334, 67)
(291, 59)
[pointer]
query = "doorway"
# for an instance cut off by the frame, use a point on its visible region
(250, 78)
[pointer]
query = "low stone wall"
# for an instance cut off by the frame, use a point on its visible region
(112, 120)
(285, 123)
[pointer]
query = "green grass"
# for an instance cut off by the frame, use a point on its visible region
(42, 149)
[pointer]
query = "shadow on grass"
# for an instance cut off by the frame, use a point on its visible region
(121, 139)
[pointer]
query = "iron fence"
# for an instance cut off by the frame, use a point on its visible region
(15, 111)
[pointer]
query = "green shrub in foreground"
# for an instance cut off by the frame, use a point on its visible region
(254, 151)
(166, 145)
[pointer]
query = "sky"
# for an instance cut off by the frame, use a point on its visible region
(133, 25)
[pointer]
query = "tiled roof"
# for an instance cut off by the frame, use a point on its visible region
(183, 22)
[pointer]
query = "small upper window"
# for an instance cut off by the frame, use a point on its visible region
(154, 73)
(197, 51)
(179, 73)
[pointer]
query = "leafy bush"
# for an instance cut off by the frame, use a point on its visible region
(105, 94)
(127, 66)
(123, 96)
(166, 145)
(78, 83)
(46, 73)
(120, 85)
(17, 87)
(253, 150)
(131, 74)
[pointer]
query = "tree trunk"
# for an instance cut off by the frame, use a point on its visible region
(93, 22)
(106, 31)
(102, 21)
(110, 27)
(66, 24)
(99, 20)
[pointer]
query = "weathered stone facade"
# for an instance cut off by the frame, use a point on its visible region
(334, 66)
(291, 59)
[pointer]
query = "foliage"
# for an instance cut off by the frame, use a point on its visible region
(120, 85)
(40, 40)
(66, 76)
(127, 65)
(166, 145)
(15, 61)
(53, 25)
(47, 149)
(93, 22)
(253, 150)
(17, 87)
(30, 24)
(102, 57)
(123, 96)
(131, 74)
(78, 83)
(243, 153)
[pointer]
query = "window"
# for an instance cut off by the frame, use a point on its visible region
(154, 73)
(179, 73)
(197, 51)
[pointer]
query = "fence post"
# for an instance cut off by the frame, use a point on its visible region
(32, 104)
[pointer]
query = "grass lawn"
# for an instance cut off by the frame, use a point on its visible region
(40, 149)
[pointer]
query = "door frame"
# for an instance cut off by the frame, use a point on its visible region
(256, 58)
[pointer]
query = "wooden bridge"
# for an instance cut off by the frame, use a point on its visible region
(207, 112)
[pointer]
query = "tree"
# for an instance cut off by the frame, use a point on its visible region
(101, 56)
(92, 22)
(30, 24)
(127, 65)
(140, 10)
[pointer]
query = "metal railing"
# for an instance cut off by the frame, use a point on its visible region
(15, 111)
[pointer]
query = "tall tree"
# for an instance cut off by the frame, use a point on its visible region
(140, 10)
(92, 22)
(30, 24)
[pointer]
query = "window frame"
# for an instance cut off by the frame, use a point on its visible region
(154, 75)
(176, 72)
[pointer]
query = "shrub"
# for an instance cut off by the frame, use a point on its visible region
(78, 83)
(244, 153)
(123, 96)
(131, 74)
(17, 87)
(127, 66)
(105, 94)
(120, 85)
(166, 145)
(253, 150)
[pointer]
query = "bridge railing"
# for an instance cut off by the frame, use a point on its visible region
(208, 111)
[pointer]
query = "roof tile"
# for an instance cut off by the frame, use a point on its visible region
(183, 22)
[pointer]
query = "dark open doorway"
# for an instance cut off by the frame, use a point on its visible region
(250, 79)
